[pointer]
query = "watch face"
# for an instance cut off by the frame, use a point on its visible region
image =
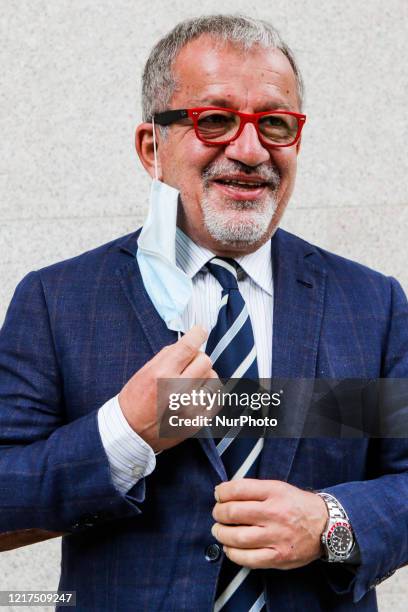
(340, 539)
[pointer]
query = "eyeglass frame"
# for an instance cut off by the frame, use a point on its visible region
(170, 116)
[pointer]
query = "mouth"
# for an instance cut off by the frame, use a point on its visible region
(241, 188)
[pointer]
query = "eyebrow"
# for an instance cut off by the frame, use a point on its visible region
(222, 102)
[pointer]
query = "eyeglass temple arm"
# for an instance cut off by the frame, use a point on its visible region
(169, 116)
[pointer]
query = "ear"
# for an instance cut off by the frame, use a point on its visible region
(145, 149)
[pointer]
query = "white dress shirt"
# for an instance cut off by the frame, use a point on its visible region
(130, 457)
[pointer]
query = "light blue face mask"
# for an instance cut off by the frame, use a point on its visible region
(168, 287)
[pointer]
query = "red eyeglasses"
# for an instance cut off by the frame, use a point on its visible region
(220, 126)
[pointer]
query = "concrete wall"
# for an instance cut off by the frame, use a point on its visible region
(69, 178)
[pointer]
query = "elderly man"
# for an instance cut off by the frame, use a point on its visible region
(157, 523)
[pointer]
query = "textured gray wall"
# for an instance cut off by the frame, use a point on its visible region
(70, 181)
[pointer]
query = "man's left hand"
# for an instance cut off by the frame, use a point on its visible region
(268, 523)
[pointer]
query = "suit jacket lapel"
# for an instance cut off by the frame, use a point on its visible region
(153, 326)
(299, 287)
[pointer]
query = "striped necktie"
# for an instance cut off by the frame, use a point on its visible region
(232, 350)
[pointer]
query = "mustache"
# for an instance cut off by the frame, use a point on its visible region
(266, 172)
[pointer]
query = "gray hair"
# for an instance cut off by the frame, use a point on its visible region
(158, 83)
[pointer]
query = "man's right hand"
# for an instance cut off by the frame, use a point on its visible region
(139, 399)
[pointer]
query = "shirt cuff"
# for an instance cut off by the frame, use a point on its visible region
(130, 457)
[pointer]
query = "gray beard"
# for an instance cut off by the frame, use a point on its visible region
(244, 232)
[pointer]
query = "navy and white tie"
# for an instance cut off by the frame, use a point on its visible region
(232, 350)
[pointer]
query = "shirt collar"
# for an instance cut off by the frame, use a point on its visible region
(191, 257)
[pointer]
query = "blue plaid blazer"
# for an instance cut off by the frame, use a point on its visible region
(76, 331)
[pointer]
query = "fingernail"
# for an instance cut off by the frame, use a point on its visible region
(216, 496)
(201, 331)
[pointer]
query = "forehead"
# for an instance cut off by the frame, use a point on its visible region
(210, 72)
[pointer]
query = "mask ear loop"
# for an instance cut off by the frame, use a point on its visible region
(156, 174)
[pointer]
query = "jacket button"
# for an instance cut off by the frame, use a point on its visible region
(212, 553)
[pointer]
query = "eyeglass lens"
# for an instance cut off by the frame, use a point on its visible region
(217, 125)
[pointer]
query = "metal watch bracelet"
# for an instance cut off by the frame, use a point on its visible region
(337, 521)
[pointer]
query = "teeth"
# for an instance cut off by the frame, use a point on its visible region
(243, 183)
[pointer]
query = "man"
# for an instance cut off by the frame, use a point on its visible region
(85, 342)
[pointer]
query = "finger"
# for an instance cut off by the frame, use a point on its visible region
(198, 377)
(199, 367)
(210, 386)
(239, 513)
(182, 352)
(239, 536)
(213, 383)
(254, 558)
(243, 489)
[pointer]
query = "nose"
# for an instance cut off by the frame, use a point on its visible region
(247, 148)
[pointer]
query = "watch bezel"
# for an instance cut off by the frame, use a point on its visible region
(327, 540)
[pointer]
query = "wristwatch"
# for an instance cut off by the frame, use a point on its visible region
(338, 537)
